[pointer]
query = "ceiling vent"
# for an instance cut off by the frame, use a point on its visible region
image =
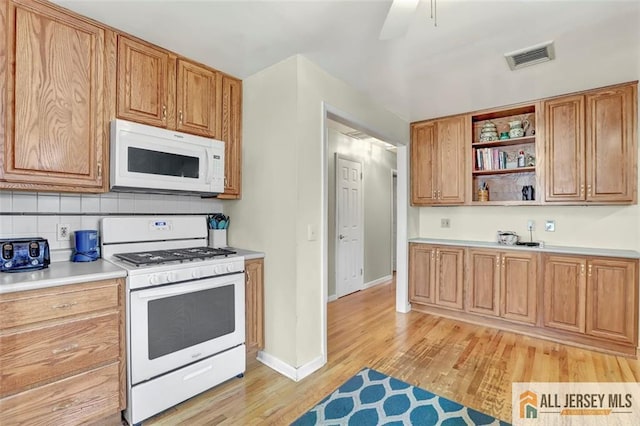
(531, 55)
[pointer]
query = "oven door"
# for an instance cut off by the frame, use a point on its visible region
(178, 324)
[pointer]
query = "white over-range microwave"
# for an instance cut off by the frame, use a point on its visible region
(154, 160)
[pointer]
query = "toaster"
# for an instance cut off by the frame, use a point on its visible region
(24, 254)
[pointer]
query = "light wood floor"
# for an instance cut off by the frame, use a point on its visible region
(467, 363)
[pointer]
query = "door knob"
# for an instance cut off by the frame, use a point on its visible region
(342, 237)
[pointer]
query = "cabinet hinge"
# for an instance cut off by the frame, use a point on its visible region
(361, 272)
(360, 175)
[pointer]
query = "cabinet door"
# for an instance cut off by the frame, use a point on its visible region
(449, 279)
(483, 282)
(197, 93)
(450, 160)
(564, 147)
(143, 83)
(232, 136)
(612, 301)
(610, 142)
(254, 303)
(54, 119)
(421, 273)
(564, 293)
(423, 140)
(519, 286)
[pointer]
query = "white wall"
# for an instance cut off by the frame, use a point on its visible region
(377, 164)
(282, 193)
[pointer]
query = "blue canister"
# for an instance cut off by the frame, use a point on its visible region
(86, 249)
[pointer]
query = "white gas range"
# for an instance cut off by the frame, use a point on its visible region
(185, 309)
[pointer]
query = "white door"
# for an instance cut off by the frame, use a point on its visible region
(349, 224)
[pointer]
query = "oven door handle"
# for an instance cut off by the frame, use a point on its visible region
(154, 294)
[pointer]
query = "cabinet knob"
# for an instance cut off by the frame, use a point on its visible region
(180, 116)
(582, 190)
(589, 273)
(589, 190)
(503, 261)
(582, 269)
(498, 262)
(164, 112)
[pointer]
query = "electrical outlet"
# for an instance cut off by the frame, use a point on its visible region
(531, 225)
(550, 226)
(63, 232)
(445, 223)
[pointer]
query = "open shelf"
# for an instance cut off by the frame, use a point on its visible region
(504, 142)
(504, 171)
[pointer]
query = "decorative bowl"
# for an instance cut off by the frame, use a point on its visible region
(508, 238)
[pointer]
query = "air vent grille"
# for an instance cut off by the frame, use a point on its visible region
(531, 55)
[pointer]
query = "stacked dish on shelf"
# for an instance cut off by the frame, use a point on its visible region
(489, 132)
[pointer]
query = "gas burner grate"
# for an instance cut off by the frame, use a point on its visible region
(173, 255)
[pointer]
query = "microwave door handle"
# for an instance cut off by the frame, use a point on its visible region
(208, 165)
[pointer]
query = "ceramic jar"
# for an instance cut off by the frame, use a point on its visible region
(517, 128)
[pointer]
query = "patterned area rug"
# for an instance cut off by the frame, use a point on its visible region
(373, 398)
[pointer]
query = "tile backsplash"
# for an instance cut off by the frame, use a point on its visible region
(25, 214)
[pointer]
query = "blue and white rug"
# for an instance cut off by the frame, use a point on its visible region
(373, 398)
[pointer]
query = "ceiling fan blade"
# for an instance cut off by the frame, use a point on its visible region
(398, 19)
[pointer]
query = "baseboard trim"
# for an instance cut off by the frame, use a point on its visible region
(379, 281)
(295, 374)
(332, 297)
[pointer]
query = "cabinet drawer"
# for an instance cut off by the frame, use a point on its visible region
(27, 358)
(77, 400)
(28, 307)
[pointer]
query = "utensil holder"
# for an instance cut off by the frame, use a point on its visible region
(217, 238)
(483, 195)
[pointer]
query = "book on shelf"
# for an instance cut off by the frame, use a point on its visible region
(489, 159)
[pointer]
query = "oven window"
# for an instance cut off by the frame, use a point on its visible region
(178, 322)
(162, 163)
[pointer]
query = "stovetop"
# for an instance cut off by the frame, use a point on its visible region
(156, 257)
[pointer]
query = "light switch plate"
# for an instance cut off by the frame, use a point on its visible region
(550, 226)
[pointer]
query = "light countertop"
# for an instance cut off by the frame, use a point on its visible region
(66, 272)
(585, 251)
(60, 273)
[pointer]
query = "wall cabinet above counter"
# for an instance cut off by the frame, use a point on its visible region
(574, 149)
(58, 103)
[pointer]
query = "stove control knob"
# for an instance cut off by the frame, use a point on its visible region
(218, 269)
(196, 274)
(171, 277)
(230, 267)
(154, 280)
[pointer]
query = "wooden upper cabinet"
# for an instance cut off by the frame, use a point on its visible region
(143, 83)
(423, 167)
(612, 299)
(590, 142)
(54, 119)
(565, 169)
(232, 136)
(611, 118)
(438, 161)
(197, 93)
(421, 273)
(564, 292)
(156, 88)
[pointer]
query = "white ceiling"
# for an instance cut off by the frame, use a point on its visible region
(455, 67)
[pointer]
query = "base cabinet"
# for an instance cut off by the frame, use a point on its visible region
(589, 301)
(502, 284)
(592, 296)
(436, 275)
(254, 304)
(62, 354)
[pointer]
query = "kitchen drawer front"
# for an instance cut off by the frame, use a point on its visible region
(76, 400)
(28, 307)
(39, 355)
